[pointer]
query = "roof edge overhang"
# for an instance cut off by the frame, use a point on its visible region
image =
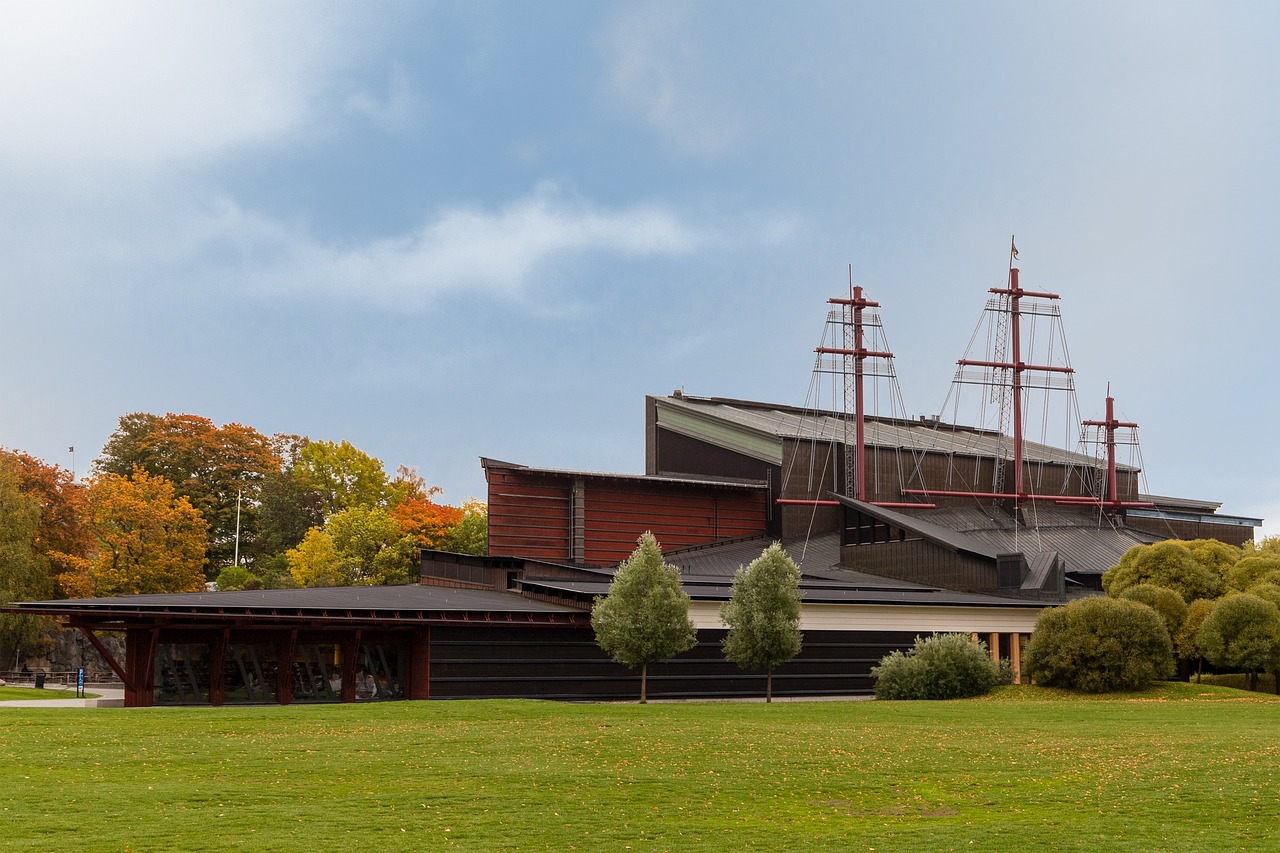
(933, 533)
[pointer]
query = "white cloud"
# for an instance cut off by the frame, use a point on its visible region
(655, 69)
(144, 85)
(458, 250)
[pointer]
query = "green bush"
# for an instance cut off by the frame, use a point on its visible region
(1099, 645)
(943, 666)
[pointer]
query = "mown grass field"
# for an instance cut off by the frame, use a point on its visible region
(1188, 767)
(28, 693)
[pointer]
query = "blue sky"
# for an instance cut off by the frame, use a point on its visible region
(451, 230)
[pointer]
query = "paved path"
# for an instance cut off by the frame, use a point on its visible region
(107, 697)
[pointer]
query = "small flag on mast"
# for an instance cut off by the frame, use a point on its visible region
(1014, 247)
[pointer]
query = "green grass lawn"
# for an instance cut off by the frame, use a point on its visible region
(1189, 767)
(7, 693)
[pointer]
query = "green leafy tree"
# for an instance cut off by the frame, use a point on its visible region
(1099, 645)
(343, 476)
(1216, 556)
(1186, 644)
(645, 617)
(237, 577)
(1166, 564)
(1242, 633)
(763, 614)
(371, 549)
(1166, 602)
(360, 546)
(943, 666)
(1269, 545)
(24, 571)
(1252, 570)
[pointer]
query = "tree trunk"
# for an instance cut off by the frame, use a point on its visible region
(644, 673)
(768, 686)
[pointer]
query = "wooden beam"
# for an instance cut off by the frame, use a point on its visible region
(107, 656)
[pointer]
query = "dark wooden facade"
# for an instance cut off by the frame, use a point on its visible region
(595, 519)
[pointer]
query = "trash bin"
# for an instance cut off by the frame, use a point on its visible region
(39, 681)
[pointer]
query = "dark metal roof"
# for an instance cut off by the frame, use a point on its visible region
(1088, 542)
(687, 480)
(789, 422)
(941, 534)
(723, 560)
(412, 603)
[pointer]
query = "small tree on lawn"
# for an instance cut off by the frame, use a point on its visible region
(1242, 632)
(645, 616)
(763, 614)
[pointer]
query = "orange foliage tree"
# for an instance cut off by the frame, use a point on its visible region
(428, 522)
(61, 534)
(148, 539)
(206, 463)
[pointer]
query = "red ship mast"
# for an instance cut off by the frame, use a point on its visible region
(854, 355)
(1015, 368)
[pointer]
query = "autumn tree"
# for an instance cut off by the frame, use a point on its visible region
(148, 539)
(471, 534)
(315, 561)
(763, 614)
(24, 570)
(429, 523)
(207, 464)
(645, 616)
(61, 535)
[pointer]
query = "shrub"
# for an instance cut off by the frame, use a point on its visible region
(943, 666)
(1099, 645)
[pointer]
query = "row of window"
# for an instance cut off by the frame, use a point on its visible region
(251, 673)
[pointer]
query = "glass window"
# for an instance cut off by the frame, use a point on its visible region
(317, 672)
(181, 674)
(379, 673)
(250, 673)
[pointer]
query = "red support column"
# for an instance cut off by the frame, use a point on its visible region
(419, 686)
(285, 648)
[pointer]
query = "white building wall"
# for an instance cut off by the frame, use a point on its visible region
(896, 617)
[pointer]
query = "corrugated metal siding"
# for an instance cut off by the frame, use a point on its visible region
(476, 662)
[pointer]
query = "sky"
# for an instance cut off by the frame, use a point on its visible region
(449, 230)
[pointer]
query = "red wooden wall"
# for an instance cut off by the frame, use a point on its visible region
(595, 519)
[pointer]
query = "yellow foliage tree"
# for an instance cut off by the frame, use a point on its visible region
(147, 539)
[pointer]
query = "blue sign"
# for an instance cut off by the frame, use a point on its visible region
(80, 681)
